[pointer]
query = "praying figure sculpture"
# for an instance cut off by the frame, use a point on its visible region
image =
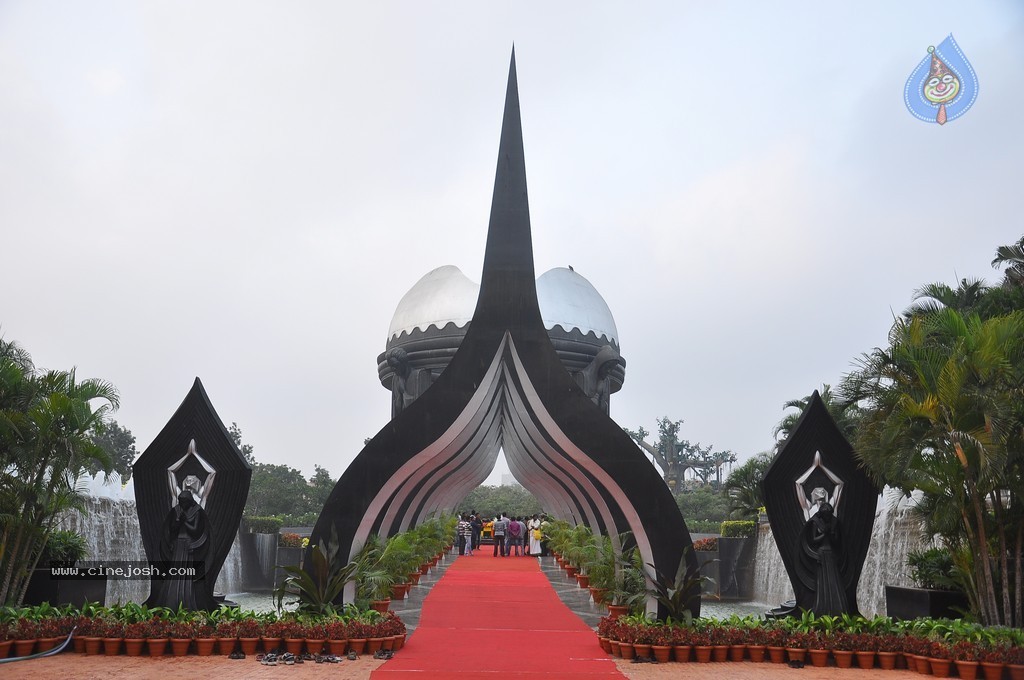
(822, 553)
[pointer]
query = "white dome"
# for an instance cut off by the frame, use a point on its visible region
(570, 301)
(442, 296)
(446, 295)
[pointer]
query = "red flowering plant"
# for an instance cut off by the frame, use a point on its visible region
(337, 629)
(315, 630)
(24, 629)
(226, 629)
(137, 630)
(202, 629)
(357, 630)
(278, 629)
(718, 634)
(1015, 655)
(891, 642)
(796, 639)
(113, 628)
(392, 624)
(249, 627)
(757, 636)
(49, 627)
(706, 544)
(65, 624)
(5, 630)
(180, 629)
(939, 649)
(605, 627)
(159, 628)
(682, 635)
(966, 650)
(774, 636)
(817, 640)
(700, 637)
(865, 642)
(842, 641)
(916, 645)
(997, 653)
(663, 636)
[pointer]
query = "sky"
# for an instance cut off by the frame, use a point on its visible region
(243, 191)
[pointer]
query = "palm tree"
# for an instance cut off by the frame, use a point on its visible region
(1013, 257)
(845, 413)
(940, 403)
(965, 298)
(744, 487)
(46, 423)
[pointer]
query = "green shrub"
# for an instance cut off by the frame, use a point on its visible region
(263, 525)
(739, 529)
(703, 526)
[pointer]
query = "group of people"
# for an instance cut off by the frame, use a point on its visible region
(519, 535)
(512, 536)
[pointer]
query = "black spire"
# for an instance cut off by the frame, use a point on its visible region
(508, 258)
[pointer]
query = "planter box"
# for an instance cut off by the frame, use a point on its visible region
(58, 592)
(708, 563)
(286, 557)
(913, 603)
(736, 568)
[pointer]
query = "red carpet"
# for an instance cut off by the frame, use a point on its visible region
(497, 618)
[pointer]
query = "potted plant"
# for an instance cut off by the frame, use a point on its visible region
(274, 633)
(337, 636)
(937, 592)
(316, 635)
(775, 639)
(179, 630)
(113, 636)
(203, 634)
(25, 633)
(249, 631)
(135, 634)
(158, 635)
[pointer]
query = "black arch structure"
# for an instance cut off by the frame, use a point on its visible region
(505, 388)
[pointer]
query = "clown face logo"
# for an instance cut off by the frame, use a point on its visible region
(943, 86)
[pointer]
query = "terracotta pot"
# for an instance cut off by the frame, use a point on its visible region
(271, 643)
(819, 657)
(642, 650)
(617, 610)
(616, 647)
(1016, 671)
(662, 653)
(226, 645)
(737, 652)
(314, 645)
(337, 647)
(5, 647)
(357, 645)
(46, 644)
(179, 646)
(570, 572)
(911, 661)
(703, 653)
(844, 658)
(77, 642)
(967, 670)
(414, 578)
(204, 646)
(627, 650)
(25, 647)
(399, 642)
(923, 665)
(381, 605)
(940, 667)
(388, 643)
(887, 660)
(865, 659)
(399, 591)
(992, 671)
(598, 594)
(606, 645)
(294, 645)
(424, 569)
(777, 654)
(133, 646)
(156, 646)
(373, 645)
(719, 652)
(681, 653)
(249, 645)
(795, 654)
(93, 645)
(582, 580)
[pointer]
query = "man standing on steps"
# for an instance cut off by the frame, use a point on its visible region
(500, 526)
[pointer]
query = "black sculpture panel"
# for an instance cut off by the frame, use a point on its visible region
(821, 506)
(191, 485)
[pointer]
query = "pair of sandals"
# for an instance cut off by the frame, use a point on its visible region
(383, 654)
(288, 659)
(644, 659)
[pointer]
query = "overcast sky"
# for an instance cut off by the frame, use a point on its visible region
(244, 191)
